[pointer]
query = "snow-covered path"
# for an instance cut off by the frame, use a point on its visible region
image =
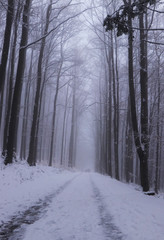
(79, 206)
(75, 214)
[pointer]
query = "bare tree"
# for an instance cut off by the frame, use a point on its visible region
(32, 148)
(18, 84)
(6, 42)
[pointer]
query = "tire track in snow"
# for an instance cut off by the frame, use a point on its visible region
(111, 231)
(13, 229)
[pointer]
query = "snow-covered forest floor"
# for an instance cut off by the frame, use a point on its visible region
(38, 203)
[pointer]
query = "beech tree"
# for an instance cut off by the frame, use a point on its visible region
(33, 136)
(55, 105)
(6, 42)
(122, 20)
(18, 84)
(11, 76)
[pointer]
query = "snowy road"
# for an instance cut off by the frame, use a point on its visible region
(53, 205)
(14, 228)
(74, 211)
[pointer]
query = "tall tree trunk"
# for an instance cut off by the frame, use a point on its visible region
(42, 136)
(26, 112)
(6, 43)
(11, 78)
(71, 162)
(18, 84)
(115, 113)
(63, 129)
(110, 125)
(141, 153)
(158, 130)
(32, 147)
(128, 147)
(109, 110)
(40, 109)
(144, 102)
(54, 114)
(117, 105)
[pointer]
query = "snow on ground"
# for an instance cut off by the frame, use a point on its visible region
(89, 206)
(21, 186)
(139, 216)
(72, 215)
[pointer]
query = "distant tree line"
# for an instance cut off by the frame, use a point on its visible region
(39, 81)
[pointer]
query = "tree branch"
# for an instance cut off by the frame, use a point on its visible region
(53, 29)
(157, 43)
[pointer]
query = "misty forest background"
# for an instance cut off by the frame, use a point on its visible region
(65, 81)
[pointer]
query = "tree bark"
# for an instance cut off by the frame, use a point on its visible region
(115, 122)
(157, 168)
(63, 128)
(6, 43)
(141, 153)
(26, 113)
(11, 80)
(144, 101)
(54, 113)
(18, 84)
(71, 162)
(32, 147)
(128, 147)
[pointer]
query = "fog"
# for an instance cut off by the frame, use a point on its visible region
(81, 86)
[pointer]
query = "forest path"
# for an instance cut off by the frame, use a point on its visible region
(75, 211)
(13, 229)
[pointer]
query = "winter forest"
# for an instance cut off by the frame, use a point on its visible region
(81, 86)
(81, 120)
